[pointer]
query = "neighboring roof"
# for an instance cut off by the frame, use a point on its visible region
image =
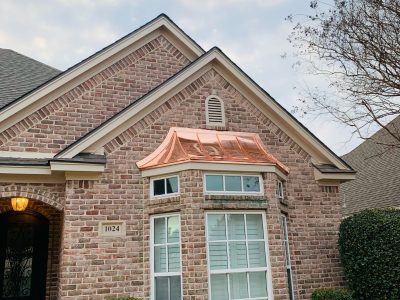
(216, 59)
(37, 96)
(201, 145)
(20, 74)
(377, 183)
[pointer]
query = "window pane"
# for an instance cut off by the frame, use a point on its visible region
(173, 229)
(237, 255)
(214, 183)
(175, 288)
(251, 183)
(233, 184)
(159, 231)
(258, 284)
(257, 254)
(160, 259)
(173, 258)
(236, 230)
(161, 288)
(172, 185)
(159, 187)
(219, 287)
(218, 256)
(238, 283)
(216, 227)
(255, 229)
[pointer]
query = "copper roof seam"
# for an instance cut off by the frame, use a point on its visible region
(201, 146)
(240, 146)
(180, 145)
(220, 145)
(171, 148)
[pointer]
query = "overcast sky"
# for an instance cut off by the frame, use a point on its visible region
(253, 33)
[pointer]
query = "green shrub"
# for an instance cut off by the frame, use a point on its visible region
(369, 245)
(331, 294)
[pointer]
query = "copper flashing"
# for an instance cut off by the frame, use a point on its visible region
(201, 145)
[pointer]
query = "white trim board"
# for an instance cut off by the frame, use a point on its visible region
(40, 97)
(217, 60)
(213, 166)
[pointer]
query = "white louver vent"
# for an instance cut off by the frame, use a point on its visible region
(215, 111)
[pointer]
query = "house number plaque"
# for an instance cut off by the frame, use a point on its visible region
(112, 228)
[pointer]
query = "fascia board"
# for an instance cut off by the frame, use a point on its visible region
(120, 122)
(31, 170)
(341, 177)
(15, 112)
(26, 154)
(75, 167)
(206, 166)
(276, 114)
(227, 69)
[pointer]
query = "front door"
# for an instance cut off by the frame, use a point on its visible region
(23, 255)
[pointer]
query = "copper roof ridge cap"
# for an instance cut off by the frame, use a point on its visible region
(158, 150)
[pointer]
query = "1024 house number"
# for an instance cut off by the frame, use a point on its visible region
(114, 228)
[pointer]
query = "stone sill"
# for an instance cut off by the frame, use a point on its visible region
(166, 200)
(236, 197)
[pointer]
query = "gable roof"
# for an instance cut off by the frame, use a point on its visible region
(19, 74)
(56, 86)
(378, 173)
(216, 59)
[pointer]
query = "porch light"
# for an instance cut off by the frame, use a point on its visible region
(19, 203)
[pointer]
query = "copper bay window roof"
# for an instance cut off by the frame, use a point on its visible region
(200, 145)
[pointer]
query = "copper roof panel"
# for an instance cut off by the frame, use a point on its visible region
(186, 144)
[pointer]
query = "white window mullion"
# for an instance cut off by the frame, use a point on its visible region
(227, 242)
(169, 288)
(229, 286)
(166, 244)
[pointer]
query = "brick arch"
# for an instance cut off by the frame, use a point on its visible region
(32, 193)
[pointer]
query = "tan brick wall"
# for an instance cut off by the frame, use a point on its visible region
(86, 106)
(121, 265)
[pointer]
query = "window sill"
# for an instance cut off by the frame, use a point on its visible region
(236, 197)
(164, 200)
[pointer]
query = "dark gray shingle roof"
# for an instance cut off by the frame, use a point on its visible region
(20, 74)
(377, 182)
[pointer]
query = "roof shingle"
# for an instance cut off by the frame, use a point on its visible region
(20, 74)
(377, 183)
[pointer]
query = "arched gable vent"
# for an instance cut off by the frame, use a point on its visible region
(215, 112)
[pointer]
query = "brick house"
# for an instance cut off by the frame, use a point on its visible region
(158, 170)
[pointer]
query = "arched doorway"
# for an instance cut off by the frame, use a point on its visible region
(24, 238)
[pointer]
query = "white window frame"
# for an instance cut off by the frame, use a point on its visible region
(288, 262)
(260, 193)
(267, 269)
(280, 189)
(166, 195)
(152, 245)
